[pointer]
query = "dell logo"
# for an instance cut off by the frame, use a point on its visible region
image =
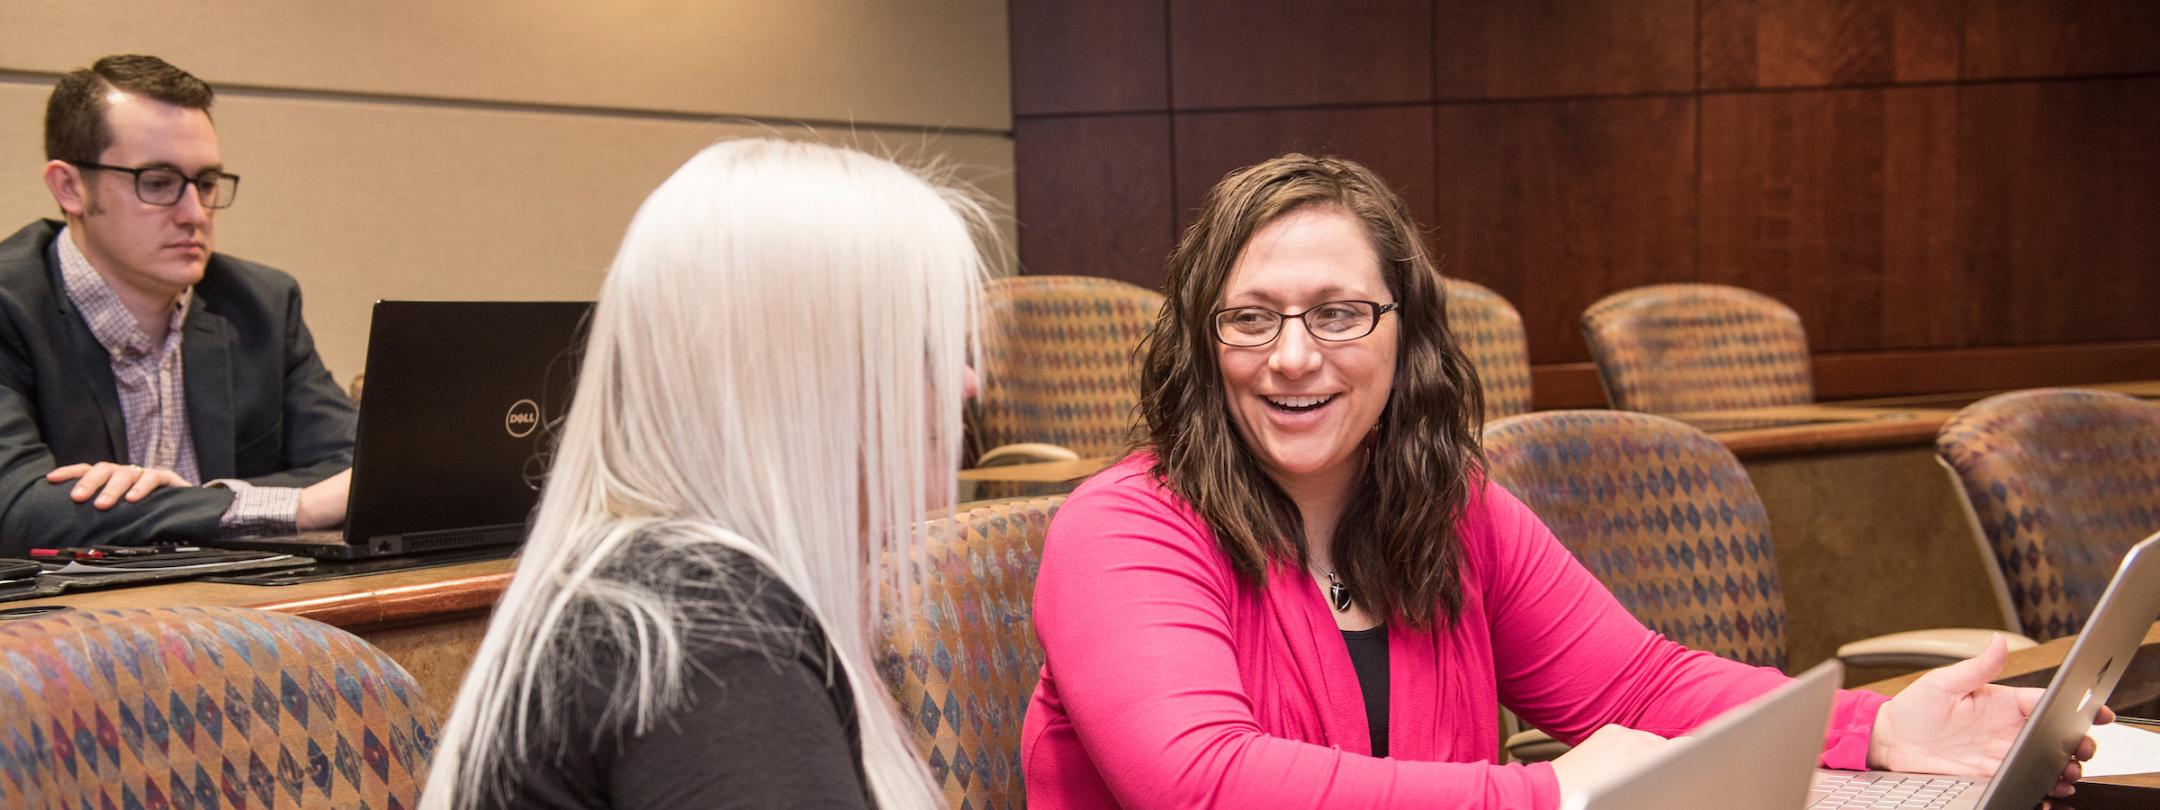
(523, 418)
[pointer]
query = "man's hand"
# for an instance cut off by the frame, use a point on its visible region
(112, 482)
(1953, 721)
(322, 504)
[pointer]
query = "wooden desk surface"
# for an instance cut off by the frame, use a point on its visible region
(353, 603)
(2024, 662)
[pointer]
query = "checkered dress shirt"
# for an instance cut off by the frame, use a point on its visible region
(150, 379)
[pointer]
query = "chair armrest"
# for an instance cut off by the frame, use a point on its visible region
(1534, 746)
(1920, 649)
(1005, 455)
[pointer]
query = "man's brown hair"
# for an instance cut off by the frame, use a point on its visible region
(75, 127)
(1396, 546)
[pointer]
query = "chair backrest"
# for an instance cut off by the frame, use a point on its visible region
(1058, 364)
(1661, 513)
(204, 707)
(1490, 330)
(1678, 348)
(964, 666)
(2061, 483)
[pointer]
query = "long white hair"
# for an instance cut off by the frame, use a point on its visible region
(774, 370)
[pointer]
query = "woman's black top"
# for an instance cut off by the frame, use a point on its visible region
(1368, 653)
(759, 726)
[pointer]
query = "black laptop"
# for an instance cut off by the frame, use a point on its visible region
(455, 427)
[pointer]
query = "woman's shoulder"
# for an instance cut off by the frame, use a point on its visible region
(734, 606)
(1124, 516)
(726, 606)
(1491, 510)
(1132, 481)
(1498, 532)
(1133, 474)
(1128, 494)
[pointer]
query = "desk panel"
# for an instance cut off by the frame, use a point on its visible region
(1869, 542)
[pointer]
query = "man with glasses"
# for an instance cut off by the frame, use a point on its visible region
(152, 389)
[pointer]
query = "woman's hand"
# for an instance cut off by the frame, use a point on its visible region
(1610, 750)
(1953, 721)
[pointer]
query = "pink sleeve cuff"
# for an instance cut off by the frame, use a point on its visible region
(257, 510)
(1544, 786)
(1852, 726)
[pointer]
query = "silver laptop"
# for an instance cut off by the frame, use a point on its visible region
(1758, 756)
(2058, 724)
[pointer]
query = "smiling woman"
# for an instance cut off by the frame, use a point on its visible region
(1322, 242)
(1306, 593)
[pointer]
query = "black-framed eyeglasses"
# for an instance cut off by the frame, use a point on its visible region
(1333, 321)
(159, 185)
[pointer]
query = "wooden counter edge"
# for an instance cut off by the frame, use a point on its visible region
(401, 604)
(1841, 436)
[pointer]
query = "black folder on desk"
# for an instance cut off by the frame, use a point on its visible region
(55, 577)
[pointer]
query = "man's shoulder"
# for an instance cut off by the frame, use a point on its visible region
(23, 254)
(27, 293)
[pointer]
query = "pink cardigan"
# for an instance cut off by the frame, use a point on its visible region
(1169, 682)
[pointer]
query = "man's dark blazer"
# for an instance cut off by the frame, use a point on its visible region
(260, 404)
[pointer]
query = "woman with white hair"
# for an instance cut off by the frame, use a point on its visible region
(768, 404)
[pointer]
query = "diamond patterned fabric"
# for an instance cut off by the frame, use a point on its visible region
(204, 708)
(1662, 514)
(2063, 483)
(964, 668)
(1677, 348)
(1059, 366)
(1490, 330)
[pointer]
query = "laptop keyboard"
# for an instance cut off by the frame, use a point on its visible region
(1887, 790)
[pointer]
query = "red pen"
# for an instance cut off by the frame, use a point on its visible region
(72, 553)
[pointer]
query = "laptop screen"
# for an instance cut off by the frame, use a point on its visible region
(457, 421)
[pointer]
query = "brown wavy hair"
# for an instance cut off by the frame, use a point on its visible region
(1396, 546)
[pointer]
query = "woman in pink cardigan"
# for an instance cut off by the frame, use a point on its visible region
(1320, 601)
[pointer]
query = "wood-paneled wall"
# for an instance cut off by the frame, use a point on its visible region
(1954, 194)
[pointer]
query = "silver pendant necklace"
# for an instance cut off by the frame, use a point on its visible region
(1338, 595)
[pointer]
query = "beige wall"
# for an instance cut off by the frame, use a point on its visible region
(493, 149)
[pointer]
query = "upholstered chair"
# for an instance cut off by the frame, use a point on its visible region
(2060, 484)
(1683, 348)
(1058, 369)
(1666, 518)
(205, 708)
(1489, 329)
(963, 665)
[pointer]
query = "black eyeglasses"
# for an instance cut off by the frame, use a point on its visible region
(1334, 321)
(158, 185)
